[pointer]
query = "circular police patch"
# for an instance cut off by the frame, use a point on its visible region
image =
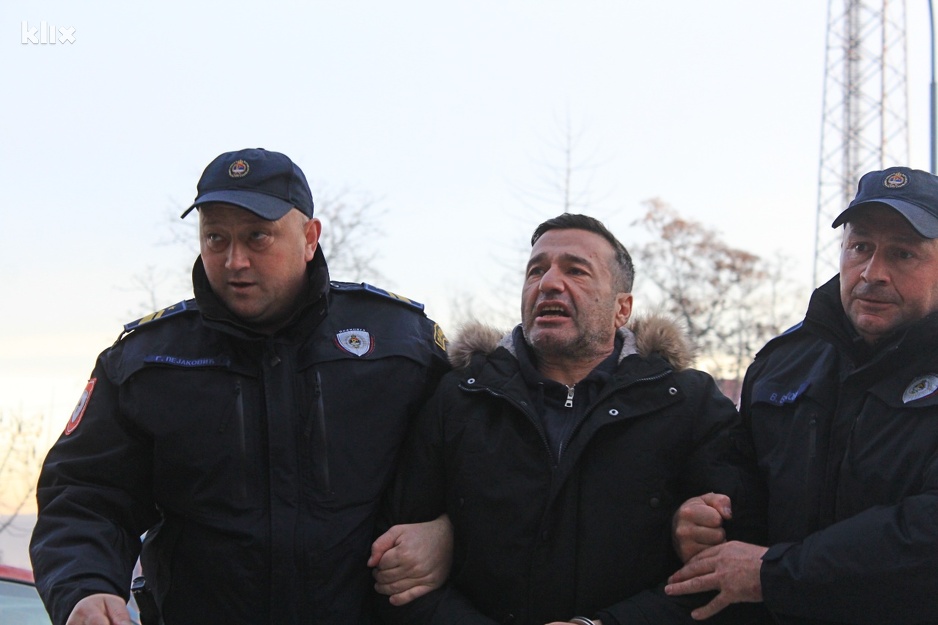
(922, 386)
(239, 169)
(896, 180)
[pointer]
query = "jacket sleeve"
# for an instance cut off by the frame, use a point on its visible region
(653, 607)
(879, 566)
(418, 494)
(444, 606)
(722, 461)
(93, 503)
(725, 462)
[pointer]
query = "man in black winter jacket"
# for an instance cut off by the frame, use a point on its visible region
(843, 413)
(249, 432)
(561, 450)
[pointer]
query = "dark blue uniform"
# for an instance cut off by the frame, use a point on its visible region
(847, 438)
(256, 462)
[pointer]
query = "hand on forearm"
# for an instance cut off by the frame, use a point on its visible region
(698, 524)
(733, 569)
(411, 560)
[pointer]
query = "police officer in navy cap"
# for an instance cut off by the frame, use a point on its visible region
(249, 432)
(843, 412)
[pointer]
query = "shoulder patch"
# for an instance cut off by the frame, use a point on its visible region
(357, 341)
(167, 312)
(351, 287)
(920, 387)
(80, 408)
(439, 337)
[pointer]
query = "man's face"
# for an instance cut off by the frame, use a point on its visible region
(888, 272)
(570, 309)
(257, 267)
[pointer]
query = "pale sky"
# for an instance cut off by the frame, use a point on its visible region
(445, 112)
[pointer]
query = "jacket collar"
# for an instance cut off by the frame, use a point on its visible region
(310, 310)
(528, 365)
(644, 336)
(826, 318)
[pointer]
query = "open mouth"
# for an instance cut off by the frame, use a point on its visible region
(552, 311)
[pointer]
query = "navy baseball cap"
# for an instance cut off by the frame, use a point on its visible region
(266, 183)
(911, 192)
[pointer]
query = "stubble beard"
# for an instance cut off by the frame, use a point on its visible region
(584, 346)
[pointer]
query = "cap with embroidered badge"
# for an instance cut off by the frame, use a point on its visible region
(266, 183)
(911, 192)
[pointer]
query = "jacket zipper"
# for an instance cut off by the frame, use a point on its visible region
(242, 438)
(812, 437)
(570, 393)
(323, 480)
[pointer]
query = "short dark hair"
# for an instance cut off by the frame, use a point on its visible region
(623, 269)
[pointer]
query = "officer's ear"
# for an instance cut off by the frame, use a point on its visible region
(312, 230)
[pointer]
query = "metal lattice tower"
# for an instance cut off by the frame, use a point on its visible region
(864, 122)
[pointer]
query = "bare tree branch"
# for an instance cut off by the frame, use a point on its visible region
(351, 231)
(20, 461)
(350, 234)
(566, 181)
(727, 297)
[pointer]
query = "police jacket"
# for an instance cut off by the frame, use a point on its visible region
(847, 439)
(255, 462)
(539, 540)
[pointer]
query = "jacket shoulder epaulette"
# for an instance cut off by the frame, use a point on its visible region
(165, 313)
(364, 287)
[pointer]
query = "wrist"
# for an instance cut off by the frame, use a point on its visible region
(582, 620)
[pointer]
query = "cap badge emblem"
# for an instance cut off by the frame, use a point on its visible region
(896, 181)
(239, 169)
(922, 386)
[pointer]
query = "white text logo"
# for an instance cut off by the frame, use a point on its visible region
(46, 34)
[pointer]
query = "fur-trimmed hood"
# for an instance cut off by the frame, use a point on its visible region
(653, 334)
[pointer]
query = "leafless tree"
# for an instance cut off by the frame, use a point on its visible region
(20, 459)
(565, 173)
(351, 231)
(350, 234)
(566, 169)
(501, 307)
(727, 298)
(148, 283)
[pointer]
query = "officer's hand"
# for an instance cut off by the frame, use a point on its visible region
(698, 524)
(411, 560)
(733, 568)
(100, 609)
